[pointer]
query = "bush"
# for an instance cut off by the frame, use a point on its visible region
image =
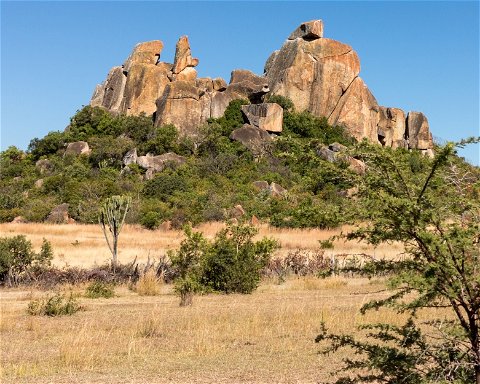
(234, 261)
(56, 305)
(99, 289)
(17, 257)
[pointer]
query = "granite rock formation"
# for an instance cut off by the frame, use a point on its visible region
(318, 74)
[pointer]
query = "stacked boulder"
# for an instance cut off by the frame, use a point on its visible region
(318, 74)
(172, 93)
(322, 76)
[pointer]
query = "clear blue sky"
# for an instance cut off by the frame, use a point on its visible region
(421, 56)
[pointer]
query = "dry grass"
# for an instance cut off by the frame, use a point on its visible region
(266, 337)
(85, 246)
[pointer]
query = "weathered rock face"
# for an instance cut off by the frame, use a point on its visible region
(254, 138)
(318, 74)
(310, 30)
(78, 148)
(266, 116)
(418, 132)
(59, 215)
(321, 75)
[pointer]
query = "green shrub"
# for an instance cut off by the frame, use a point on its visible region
(151, 220)
(17, 257)
(56, 305)
(233, 262)
(99, 289)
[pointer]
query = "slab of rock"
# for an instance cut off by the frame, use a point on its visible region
(337, 147)
(110, 93)
(130, 157)
(261, 185)
(39, 183)
(44, 166)
(309, 30)
(183, 56)
(59, 215)
(78, 148)
(391, 127)
(358, 111)
(188, 74)
(313, 74)
(180, 105)
(145, 83)
(276, 190)
(418, 131)
(238, 211)
(248, 85)
(266, 116)
(19, 220)
(160, 162)
(255, 139)
(219, 84)
(144, 53)
(326, 153)
(356, 165)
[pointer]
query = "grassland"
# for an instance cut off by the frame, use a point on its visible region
(265, 337)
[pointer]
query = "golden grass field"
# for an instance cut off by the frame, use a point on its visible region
(265, 337)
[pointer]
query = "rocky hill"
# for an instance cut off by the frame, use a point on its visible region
(318, 74)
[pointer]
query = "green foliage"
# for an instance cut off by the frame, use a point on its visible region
(234, 261)
(164, 140)
(165, 184)
(56, 305)
(283, 101)
(304, 124)
(51, 144)
(17, 257)
(427, 205)
(99, 289)
(109, 150)
(92, 121)
(232, 118)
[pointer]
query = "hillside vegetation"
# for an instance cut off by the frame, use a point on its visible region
(218, 173)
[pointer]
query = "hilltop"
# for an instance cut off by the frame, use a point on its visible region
(288, 147)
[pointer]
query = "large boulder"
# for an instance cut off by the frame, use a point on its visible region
(160, 162)
(145, 83)
(77, 148)
(418, 131)
(183, 56)
(180, 105)
(44, 166)
(255, 139)
(357, 110)
(313, 74)
(266, 116)
(130, 157)
(310, 30)
(59, 215)
(144, 53)
(391, 127)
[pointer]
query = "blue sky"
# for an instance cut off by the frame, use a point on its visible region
(421, 56)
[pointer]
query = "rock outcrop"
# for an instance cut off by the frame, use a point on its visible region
(318, 74)
(77, 148)
(254, 138)
(266, 116)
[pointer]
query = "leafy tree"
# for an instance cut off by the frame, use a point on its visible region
(164, 140)
(112, 215)
(50, 144)
(17, 257)
(234, 261)
(436, 215)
